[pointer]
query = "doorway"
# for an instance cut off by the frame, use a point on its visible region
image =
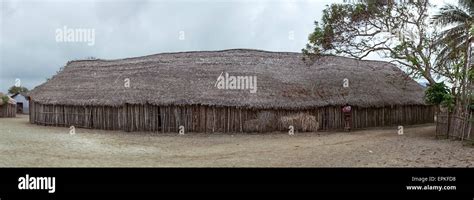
(19, 107)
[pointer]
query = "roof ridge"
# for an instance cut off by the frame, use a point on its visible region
(220, 51)
(182, 52)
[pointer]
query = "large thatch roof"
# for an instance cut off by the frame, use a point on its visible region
(284, 81)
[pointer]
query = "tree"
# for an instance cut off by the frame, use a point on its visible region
(450, 66)
(455, 42)
(467, 4)
(16, 89)
(438, 94)
(4, 98)
(397, 31)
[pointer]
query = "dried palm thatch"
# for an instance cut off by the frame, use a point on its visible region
(265, 120)
(300, 122)
(188, 78)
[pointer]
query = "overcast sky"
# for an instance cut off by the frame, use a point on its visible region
(30, 52)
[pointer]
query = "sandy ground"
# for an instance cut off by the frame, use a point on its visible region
(27, 145)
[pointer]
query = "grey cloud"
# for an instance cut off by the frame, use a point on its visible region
(128, 28)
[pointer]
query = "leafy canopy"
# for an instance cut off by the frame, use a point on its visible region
(437, 94)
(5, 99)
(16, 89)
(397, 31)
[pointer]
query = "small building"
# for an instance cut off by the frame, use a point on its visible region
(22, 103)
(7, 106)
(197, 92)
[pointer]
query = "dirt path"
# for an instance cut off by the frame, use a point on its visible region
(27, 145)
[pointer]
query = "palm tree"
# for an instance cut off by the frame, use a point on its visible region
(467, 3)
(457, 38)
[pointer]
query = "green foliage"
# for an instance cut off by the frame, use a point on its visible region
(5, 99)
(438, 94)
(469, 4)
(448, 101)
(455, 43)
(15, 89)
(471, 73)
(338, 18)
(413, 60)
(370, 26)
(471, 103)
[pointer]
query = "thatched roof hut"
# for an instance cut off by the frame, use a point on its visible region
(284, 82)
(7, 106)
(8, 99)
